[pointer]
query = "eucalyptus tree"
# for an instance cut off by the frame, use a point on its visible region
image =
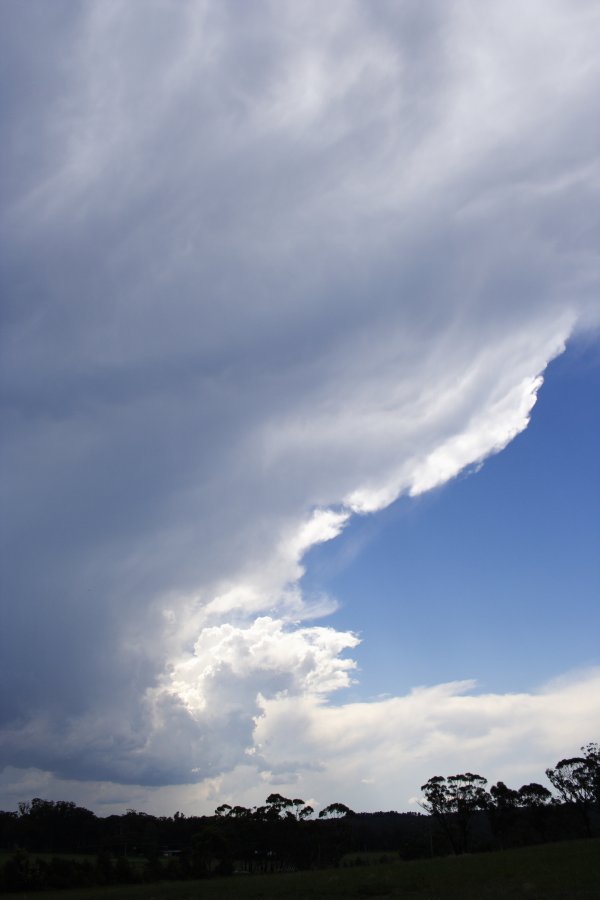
(453, 801)
(503, 807)
(335, 811)
(577, 780)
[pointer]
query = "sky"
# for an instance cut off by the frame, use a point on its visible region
(300, 366)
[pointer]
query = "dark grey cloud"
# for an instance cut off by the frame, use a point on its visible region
(248, 254)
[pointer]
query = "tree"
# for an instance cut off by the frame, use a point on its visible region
(240, 812)
(503, 810)
(279, 806)
(209, 849)
(504, 797)
(301, 810)
(56, 825)
(222, 811)
(335, 811)
(591, 753)
(535, 800)
(453, 801)
(534, 795)
(577, 781)
(305, 813)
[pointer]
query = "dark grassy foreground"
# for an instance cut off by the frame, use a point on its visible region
(565, 871)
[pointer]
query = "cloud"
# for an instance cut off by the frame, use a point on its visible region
(264, 269)
(394, 745)
(368, 755)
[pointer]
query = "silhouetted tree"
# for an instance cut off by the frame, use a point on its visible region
(278, 806)
(52, 826)
(577, 781)
(536, 800)
(453, 801)
(302, 810)
(502, 809)
(223, 810)
(335, 811)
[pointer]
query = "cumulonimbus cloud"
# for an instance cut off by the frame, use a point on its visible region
(264, 270)
(373, 755)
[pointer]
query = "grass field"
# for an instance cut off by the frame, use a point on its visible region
(565, 871)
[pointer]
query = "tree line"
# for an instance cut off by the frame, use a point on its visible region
(455, 801)
(56, 844)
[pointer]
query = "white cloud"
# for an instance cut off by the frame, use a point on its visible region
(263, 658)
(392, 746)
(368, 755)
(264, 268)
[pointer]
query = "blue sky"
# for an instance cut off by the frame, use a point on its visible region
(493, 576)
(277, 279)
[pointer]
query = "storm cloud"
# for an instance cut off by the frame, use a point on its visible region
(264, 266)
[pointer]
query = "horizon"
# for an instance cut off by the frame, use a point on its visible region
(300, 360)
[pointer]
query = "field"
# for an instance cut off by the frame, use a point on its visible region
(565, 871)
